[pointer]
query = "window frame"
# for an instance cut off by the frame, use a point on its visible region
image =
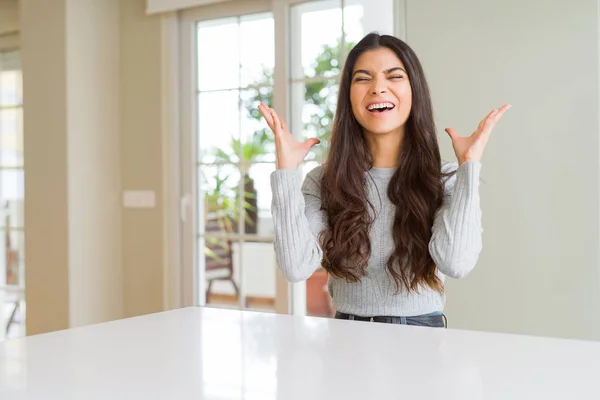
(192, 283)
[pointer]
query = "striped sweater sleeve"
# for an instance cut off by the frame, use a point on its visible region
(456, 240)
(298, 219)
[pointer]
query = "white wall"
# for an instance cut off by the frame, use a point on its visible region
(539, 272)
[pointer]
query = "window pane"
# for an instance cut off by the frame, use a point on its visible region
(10, 79)
(12, 256)
(318, 38)
(12, 214)
(259, 144)
(10, 88)
(11, 137)
(317, 109)
(364, 16)
(257, 49)
(218, 54)
(218, 125)
(12, 185)
(259, 196)
(219, 184)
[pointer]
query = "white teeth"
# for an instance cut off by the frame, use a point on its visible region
(380, 105)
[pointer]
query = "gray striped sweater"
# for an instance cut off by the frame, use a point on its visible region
(455, 244)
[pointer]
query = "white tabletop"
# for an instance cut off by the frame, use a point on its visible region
(204, 353)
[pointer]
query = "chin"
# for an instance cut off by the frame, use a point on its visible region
(381, 130)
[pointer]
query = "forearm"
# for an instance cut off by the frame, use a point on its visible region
(296, 245)
(457, 232)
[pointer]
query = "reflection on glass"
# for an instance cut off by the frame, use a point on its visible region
(218, 124)
(257, 49)
(218, 56)
(320, 48)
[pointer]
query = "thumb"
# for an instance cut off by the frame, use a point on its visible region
(452, 133)
(310, 143)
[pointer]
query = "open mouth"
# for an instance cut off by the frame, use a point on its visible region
(380, 107)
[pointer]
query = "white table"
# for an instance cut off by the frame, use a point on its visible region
(204, 353)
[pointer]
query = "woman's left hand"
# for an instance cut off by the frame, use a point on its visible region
(470, 148)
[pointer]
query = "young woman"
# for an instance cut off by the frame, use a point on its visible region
(383, 215)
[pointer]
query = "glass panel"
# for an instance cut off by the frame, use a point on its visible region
(259, 144)
(218, 125)
(257, 49)
(12, 214)
(218, 54)
(11, 137)
(364, 16)
(259, 271)
(258, 200)
(222, 271)
(219, 184)
(319, 100)
(319, 47)
(12, 185)
(10, 88)
(12, 257)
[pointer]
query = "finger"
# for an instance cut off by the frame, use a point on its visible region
(276, 121)
(452, 133)
(283, 124)
(264, 110)
(310, 143)
(501, 111)
(488, 123)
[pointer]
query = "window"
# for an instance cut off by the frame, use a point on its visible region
(235, 157)
(12, 271)
(230, 62)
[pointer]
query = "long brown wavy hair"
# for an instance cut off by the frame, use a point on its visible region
(416, 188)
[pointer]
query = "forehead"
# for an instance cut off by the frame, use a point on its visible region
(378, 60)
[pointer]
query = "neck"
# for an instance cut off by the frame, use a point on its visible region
(385, 148)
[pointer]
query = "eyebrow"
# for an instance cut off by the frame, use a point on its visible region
(387, 71)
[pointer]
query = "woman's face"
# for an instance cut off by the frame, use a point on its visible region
(380, 92)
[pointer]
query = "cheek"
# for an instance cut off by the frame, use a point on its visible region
(355, 101)
(404, 95)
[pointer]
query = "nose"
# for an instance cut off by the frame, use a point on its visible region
(378, 86)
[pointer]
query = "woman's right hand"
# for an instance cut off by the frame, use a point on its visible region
(290, 152)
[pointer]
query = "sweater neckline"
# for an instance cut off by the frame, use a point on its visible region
(381, 172)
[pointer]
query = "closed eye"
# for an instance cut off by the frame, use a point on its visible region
(360, 79)
(397, 77)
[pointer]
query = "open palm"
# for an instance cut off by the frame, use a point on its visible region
(470, 148)
(290, 152)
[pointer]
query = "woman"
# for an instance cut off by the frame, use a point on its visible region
(383, 215)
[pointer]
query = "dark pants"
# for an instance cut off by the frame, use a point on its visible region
(433, 320)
